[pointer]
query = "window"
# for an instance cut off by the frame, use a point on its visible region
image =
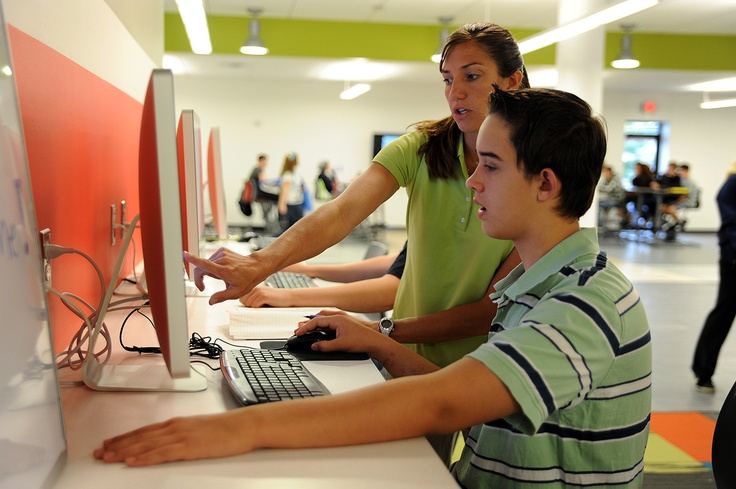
(646, 142)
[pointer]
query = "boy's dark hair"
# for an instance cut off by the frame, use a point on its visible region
(556, 130)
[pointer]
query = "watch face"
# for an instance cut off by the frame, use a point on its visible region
(386, 325)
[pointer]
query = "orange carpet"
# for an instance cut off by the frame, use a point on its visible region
(679, 442)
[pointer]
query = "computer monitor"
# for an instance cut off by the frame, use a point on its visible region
(189, 146)
(215, 185)
(381, 140)
(32, 444)
(161, 236)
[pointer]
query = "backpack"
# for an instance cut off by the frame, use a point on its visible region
(246, 198)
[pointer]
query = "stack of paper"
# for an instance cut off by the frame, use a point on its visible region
(247, 323)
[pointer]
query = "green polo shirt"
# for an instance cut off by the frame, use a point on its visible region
(450, 260)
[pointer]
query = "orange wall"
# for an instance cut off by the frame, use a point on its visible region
(82, 141)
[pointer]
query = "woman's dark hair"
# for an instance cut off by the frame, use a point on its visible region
(440, 149)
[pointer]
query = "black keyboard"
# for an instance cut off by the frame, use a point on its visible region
(257, 376)
(289, 280)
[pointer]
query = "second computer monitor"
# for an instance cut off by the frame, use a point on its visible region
(215, 183)
(189, 145)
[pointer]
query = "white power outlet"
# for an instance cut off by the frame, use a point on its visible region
(45, 239)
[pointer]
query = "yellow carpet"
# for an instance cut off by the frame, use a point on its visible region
(678, 443)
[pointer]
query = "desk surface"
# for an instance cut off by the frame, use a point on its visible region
(93, 416)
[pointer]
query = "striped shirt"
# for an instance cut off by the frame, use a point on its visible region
(571, 342)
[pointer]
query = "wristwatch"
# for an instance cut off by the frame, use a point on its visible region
(386, 326)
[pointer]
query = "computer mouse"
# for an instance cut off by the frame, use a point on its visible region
(305, 341)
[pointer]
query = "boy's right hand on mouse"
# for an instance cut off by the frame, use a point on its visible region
(350, 334)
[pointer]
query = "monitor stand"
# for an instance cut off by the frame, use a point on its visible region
(153, 377)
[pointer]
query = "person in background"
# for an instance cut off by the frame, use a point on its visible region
(643, 175)
(327, 187)
(559, 395)
(642, 206)
(718, 323)
(669, 178)
(611, 196)
(266, 199)
(291, 196)
(258, 174)
(690, 200)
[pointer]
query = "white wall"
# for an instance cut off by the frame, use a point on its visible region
(276, 117)
(703, 138)
(74, 28)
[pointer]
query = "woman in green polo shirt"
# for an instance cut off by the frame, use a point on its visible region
(450, 262)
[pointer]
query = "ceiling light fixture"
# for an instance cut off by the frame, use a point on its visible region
(354, 91)
(720, 85)
(717, 104)
(444, 34)
(626, 59)
(253, 45)
(580, 26)
(195, 23)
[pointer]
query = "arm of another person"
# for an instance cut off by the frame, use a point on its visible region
(345, 272)
(371, 295)
(433, 403)
(472, 319)
(334, 220)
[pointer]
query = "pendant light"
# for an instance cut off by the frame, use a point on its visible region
(626, 59)
(253, 45)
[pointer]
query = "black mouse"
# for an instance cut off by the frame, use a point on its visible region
(305, 341)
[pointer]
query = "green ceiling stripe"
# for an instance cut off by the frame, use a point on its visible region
(410, 42)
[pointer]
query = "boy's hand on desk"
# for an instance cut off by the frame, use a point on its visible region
(178, 439)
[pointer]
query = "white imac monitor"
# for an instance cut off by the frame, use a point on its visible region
(215, 183)
(32, 440)
(161, 236)
(189, 146)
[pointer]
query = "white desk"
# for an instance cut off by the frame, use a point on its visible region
(93, 416)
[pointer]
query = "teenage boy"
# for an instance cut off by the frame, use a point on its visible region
(560, 394)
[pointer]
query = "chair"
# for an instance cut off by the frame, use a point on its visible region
(375, 248)
(683, 212)
(723, 454)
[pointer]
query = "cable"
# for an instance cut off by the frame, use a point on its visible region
(134, 348)
(76, 344)
(204, 347)
(199, 346)
(81, 337)
(75, 347)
